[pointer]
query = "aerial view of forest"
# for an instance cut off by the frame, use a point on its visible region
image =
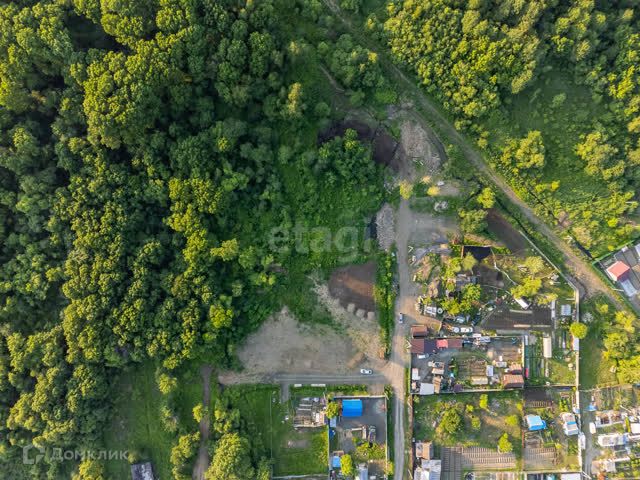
(152, 152)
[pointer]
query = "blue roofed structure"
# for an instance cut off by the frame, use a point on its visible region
(352, 407)
(535, 423)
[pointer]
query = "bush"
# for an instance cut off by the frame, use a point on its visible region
(451, 422)
(504, 445)
(512, 420)
(484, 401)
(476, 423)
(579, 330)
(346, 465)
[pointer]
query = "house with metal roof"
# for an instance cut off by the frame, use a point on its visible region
(619, 271)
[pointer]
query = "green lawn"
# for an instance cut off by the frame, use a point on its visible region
(294, 452)
(135, 425)
(595, 369)
(493, 424)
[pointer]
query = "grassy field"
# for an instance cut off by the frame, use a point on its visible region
(595, 368)
(136, 426)
(429, 412)
(293, 452)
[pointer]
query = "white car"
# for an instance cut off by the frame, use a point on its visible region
(401, 318)
(462, 329)
(592, 428)
(366, 371)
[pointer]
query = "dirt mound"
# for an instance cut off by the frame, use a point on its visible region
(385, 227)
(385, 150)
(419, 146)
(354, 284)
(504, 231)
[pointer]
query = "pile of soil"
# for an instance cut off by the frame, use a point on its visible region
(500, 228)
(354, 284)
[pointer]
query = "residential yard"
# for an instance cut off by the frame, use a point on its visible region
(136, 426)
(478, 426)
(549, 405)
(595, 367)
(270, 423)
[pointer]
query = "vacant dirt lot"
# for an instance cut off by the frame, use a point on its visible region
(364, 332)
(354, 284)
(504, 231)
(284, 345)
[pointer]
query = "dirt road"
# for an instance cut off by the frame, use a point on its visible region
(581, 272)
(202, 462)
(400, 358)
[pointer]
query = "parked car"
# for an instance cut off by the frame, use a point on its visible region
(592, 428)
(462, 329)
(401, 318)
(366, 371)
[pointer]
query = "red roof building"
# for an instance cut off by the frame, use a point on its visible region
(512, 381)
(443, 343)
(419, 331)
(417, 346)
(618, 271)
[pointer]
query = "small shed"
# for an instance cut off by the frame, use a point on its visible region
(512, 381)
(522, 302)
(142, 471)
(352, 407)
(565, 310)
(618, 271)
(363, 472)
(547, 347)
(569, 424)
(479, 381)
(535, 423)
(419, 331)
(427, 389)
(424, 450)
(417, 346)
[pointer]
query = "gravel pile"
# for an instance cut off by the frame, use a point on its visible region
(385, 224)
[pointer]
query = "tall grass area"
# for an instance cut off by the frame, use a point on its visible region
(595, 367)
(136, 426)
(385, 296)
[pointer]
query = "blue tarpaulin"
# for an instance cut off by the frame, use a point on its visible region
(535, 423)
(352, 408)
(335, 461)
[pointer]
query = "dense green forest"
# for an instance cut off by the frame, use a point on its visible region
(148, 150)
(549, 89)
(153, 152)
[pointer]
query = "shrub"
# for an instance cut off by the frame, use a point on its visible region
(504, 445)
